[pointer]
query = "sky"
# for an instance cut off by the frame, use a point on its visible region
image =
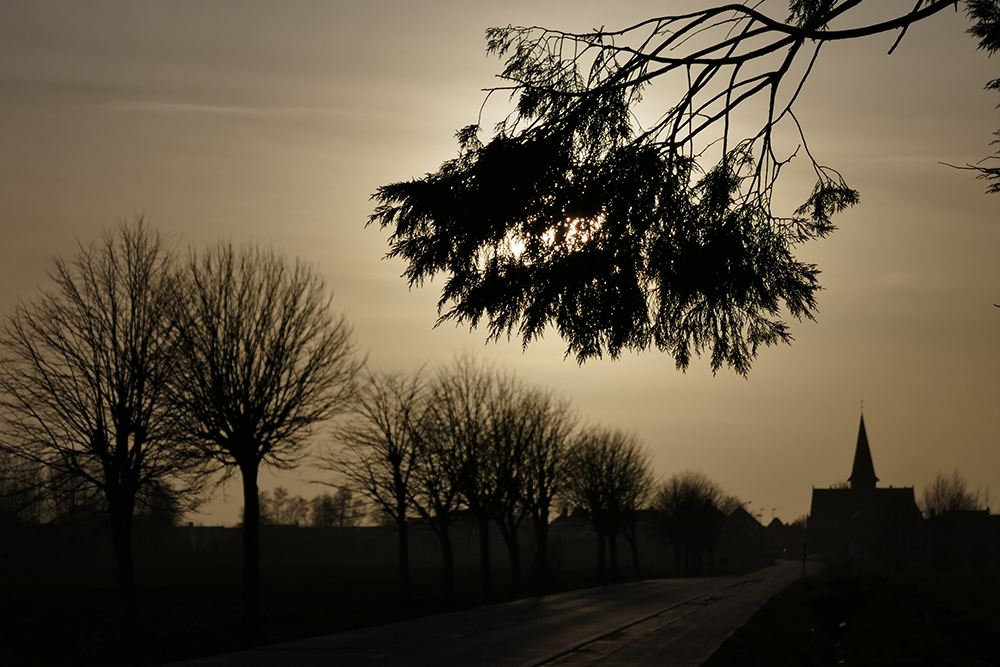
(273, 123)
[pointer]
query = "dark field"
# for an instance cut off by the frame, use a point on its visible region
(73, 618)
(59, 601)
(902, 619)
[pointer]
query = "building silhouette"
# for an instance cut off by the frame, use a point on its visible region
(867, 525)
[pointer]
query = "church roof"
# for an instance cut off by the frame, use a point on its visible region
(863, 471)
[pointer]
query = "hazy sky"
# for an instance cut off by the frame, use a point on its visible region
(275, 121)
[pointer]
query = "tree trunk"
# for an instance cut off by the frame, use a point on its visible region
(514, 551)
(403, 531)
(251, 549)
(121, 542)
(633, 544)
(120, 515)
(447, 562)
(404, 556)
(508, 531)
(485, 573)
(541, 527)
(613, 553)
(602, 570)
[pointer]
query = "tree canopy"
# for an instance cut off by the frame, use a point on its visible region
(85, 369)
(625, 234)
(263, 361)
(950, 493)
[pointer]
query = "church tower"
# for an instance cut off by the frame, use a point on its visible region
(863, 473)
(863, 522)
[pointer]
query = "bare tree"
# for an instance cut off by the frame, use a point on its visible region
(380, 450)
(297, 512)
(549, 425)
(463, 402)
(950, 492)
(604, 470)
(510, 431)
(264, 515)
(280, 508)
(436, 488)
(264, 362)
(636, 484)
(626, 235)
(83, 381)
(337, 510)
(324, 511)
(485, 417)
(691, 507)
(22, 498)
(278, 511)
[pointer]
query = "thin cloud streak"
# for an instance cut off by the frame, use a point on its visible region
(195, 108)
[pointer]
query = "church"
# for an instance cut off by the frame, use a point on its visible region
(863, 524)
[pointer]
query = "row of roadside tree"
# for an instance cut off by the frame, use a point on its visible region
(138, 379)
(137, 372)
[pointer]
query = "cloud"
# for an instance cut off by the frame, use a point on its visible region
(146, 106)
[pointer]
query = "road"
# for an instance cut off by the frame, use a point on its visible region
(667, 621)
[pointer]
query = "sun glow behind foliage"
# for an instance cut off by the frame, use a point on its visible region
(570, 236)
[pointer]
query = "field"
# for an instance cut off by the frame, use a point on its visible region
(73, 618)
(901, 619)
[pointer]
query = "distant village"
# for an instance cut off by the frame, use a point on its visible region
(857, 524)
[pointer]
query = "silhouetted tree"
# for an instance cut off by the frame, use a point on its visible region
(22, 498)
(380, 450)
(264, 504)
(463, 403)
(297, 512)
(549, 425)
(947, 493)
(629, 236)
(83, 381)
(985, 17)
(436, 490)
(691, 505)
(263, 362)
(337, 510)
(604, 468)
(164, 504)
(74, 500)
(636, 492)
(280, 508)
(324, 511)
(511, 430)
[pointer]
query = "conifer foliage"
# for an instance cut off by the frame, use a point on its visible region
(628, 235)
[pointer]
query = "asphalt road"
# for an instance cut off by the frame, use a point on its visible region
(668, 621)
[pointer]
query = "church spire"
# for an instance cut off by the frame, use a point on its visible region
(863, 472)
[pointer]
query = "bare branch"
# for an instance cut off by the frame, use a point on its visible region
(622, 236)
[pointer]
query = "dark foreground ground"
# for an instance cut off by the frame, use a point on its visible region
(904, 619)
(678, 622)
(72, 618)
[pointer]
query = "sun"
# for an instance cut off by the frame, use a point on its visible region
(568, 236)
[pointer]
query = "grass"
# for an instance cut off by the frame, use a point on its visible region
(903, 619)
